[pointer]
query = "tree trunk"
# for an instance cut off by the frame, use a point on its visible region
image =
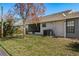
(2, 29)
(24, 29)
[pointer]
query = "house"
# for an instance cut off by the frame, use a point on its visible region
(63, 24)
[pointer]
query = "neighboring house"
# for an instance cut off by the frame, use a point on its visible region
(64, 24)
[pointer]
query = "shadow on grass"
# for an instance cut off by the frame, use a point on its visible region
(74, 46)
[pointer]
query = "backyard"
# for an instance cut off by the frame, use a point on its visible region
(33, 45)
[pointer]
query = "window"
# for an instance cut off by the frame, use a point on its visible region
(70, 26)
(44, 25)
(34, 27)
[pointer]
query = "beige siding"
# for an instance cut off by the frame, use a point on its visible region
(57, 27)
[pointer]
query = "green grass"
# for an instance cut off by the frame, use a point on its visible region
(39, 46)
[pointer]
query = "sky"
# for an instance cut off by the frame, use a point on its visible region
(58, 7)
(51, 8)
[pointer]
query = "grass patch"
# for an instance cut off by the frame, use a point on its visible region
(74, 46)
(33, 45)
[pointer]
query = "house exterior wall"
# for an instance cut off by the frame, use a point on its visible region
(57, 27)
(77, 27)
(76, 33)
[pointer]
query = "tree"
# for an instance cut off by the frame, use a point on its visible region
(29, 11)
(8, 25)
(2, 21)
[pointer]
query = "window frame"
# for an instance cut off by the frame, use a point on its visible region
(70, 28)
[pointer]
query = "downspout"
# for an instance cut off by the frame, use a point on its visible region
(64, 28)
(64, 24)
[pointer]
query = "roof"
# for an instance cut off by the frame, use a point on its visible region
(55, 17)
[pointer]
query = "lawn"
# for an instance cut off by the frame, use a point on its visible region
(33, 45)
